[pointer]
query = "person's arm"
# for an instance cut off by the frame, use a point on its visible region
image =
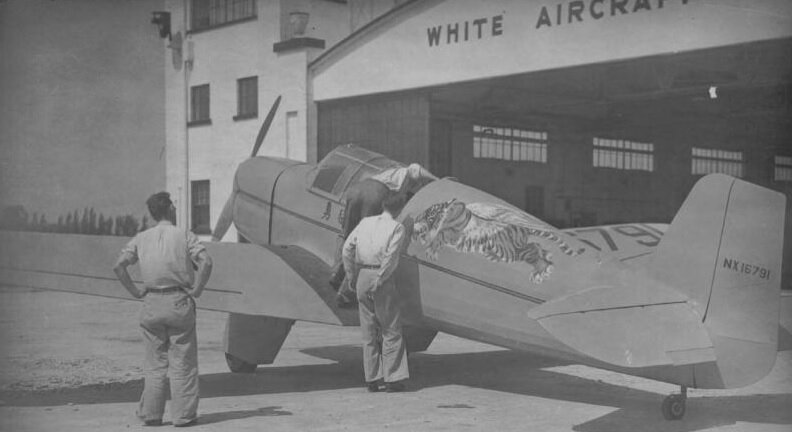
(390, 259)
(204, 263)
(348, 252)
(199, 256)
(128, 257)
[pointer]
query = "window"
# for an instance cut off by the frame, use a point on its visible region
(330, 170)
(200, 207)
(706, 161)
(247, 98)
(337, 171)
(199, 104)
(510, 144)
(783, 168)
(623, 154)
(212, 13)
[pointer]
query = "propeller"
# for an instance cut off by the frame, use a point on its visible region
(226, 216)
(265, 127)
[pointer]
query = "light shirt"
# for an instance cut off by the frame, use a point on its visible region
(402, 179)
(166, 254)
(377, 240)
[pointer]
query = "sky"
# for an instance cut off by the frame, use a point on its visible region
(82, 105)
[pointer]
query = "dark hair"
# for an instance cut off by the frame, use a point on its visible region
(159, 205)
(394, 202)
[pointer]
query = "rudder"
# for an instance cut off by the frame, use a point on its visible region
(724, 250)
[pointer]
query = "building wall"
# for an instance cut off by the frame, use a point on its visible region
(221, 56)
(362, 12)
(328, 20)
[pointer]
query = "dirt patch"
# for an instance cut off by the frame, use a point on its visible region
(56, 373)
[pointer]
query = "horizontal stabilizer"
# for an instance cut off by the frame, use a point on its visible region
(662, 330)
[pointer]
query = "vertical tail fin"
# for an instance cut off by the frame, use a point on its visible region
(724, 250)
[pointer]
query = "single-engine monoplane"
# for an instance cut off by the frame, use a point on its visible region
(695, 302)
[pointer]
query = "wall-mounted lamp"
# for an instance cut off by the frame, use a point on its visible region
(163, 22)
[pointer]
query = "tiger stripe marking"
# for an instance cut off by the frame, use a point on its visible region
(498, 233)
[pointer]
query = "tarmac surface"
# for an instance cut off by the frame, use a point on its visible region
(72, 363)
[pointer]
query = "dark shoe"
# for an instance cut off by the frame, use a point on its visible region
(374, 386)
(393, 387)
(192, 422)
(155, 422)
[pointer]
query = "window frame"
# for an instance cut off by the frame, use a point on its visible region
(504, 142)
(196, 108)
(784, 166)
(244, 99)
(718, 158)
(328, 175)
(355, 170)
(200, 212)
(628, 154)
(207, 6)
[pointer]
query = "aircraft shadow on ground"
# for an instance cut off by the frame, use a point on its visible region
(524, 374)
(503, 371)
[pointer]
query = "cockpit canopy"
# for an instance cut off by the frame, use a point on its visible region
(347, 164)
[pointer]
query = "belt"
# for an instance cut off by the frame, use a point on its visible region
(368, 266)
(164, 290)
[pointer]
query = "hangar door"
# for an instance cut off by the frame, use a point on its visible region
(396, 126)
(621, 141)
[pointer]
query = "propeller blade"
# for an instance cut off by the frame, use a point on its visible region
(225, 219)
(265, 127)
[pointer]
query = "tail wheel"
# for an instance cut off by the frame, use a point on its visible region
(674, 407)
(237, 365)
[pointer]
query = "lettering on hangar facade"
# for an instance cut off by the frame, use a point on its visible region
(562, 13)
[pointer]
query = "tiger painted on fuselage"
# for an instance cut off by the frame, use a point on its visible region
(497, 232)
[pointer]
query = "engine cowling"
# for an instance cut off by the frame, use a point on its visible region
(252, 197)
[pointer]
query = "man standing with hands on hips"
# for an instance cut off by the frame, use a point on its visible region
(166, 255)
(370, 255)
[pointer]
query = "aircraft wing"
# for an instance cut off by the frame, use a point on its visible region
(279, 281)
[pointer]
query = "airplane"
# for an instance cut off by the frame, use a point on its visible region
(695, 303)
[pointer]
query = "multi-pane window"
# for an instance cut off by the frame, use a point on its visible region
(212, 13)
(247, 98)
(510, 144)
(200, 206)
(783, 168)
(623, 154)
(706, 161)
(199, 103)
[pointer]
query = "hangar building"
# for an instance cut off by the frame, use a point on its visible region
(581, 112)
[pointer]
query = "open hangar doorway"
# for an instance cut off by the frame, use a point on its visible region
(595, 144)
(618, 142)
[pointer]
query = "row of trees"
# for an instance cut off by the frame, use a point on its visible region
(16, 218)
